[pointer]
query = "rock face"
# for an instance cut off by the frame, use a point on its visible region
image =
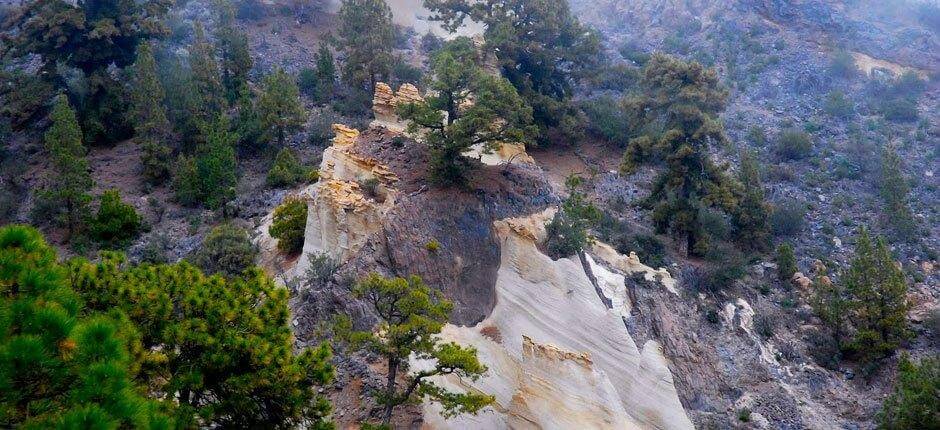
(341, 215)
(559, 356)
(385, 101)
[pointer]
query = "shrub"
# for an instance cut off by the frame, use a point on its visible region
(607, 120)
(632, 52)
(915, 402)
(289, 225)
(226, 250)
(787, 218)
(793, 144)
(764, 325)
(838, 105)
(744, 415)
(405, 73)
(307, 81)
(322, 268)
(786, 262)
(370, 188)
(899, 110)
(568, 230)
(433, 246)
(320, 129)
(116, 222)
(757, 135)
(287, 170)
(842, 65)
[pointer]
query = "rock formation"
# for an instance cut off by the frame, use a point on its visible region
(385, 102)
(559, 357)
(341, 215)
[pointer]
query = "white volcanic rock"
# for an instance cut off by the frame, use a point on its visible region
(558, 356)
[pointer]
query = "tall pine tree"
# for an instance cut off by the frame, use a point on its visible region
(684, 100)
(149, 116)
(751, 217)
(206, 81)
(67, 193)
(326, 75)
(878, 289)
(895, 192)
(367, 37)
(279, 106)
(234, 52)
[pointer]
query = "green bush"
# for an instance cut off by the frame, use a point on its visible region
(607, 120)
(290, 224)
(568, 230)
(786, 262)
(915, 403)
(226, 250)
(116, 222)
(842, 65)
(307, 81)
(838, 105)
(899, 110)
(787, 218)
(322, 268)
(793, 144)
(287, 170)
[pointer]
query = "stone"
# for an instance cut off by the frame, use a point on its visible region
(564, 359)
(801, 281)
(385, 102)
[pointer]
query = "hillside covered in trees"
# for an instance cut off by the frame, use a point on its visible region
(469, 214)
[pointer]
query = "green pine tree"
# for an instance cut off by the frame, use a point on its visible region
(541, 47)
(786, 262)
(367, 37)
(751, 217)
(452, 125)
(896, 192)
(290, 225)
(411, 315)
(915, 403)
(279, 106)
(207, 85)
(325, 74)
(67, 193)
(684, 99)
(878, 290)
(149, 116)
(226, 351)
(216, 164)
(234, 51)
(63, 365)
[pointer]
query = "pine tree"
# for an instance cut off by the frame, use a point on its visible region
(149, 116)
(207, 86)
(235, 53)
(367, 37)
(248, 124)
(411, 315)
(216, 164)
(210, 176)
(786, 262)
(895, 192)
(541, 47)
(325, 74)
(452, 125)
(116, 222)
(751, 217)
(63, 365)
(878, 289)
(226, 353)
(68, 191)
(279, 106)
(915, 403)
(685, 99)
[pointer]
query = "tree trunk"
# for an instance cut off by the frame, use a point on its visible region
(390, 390)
